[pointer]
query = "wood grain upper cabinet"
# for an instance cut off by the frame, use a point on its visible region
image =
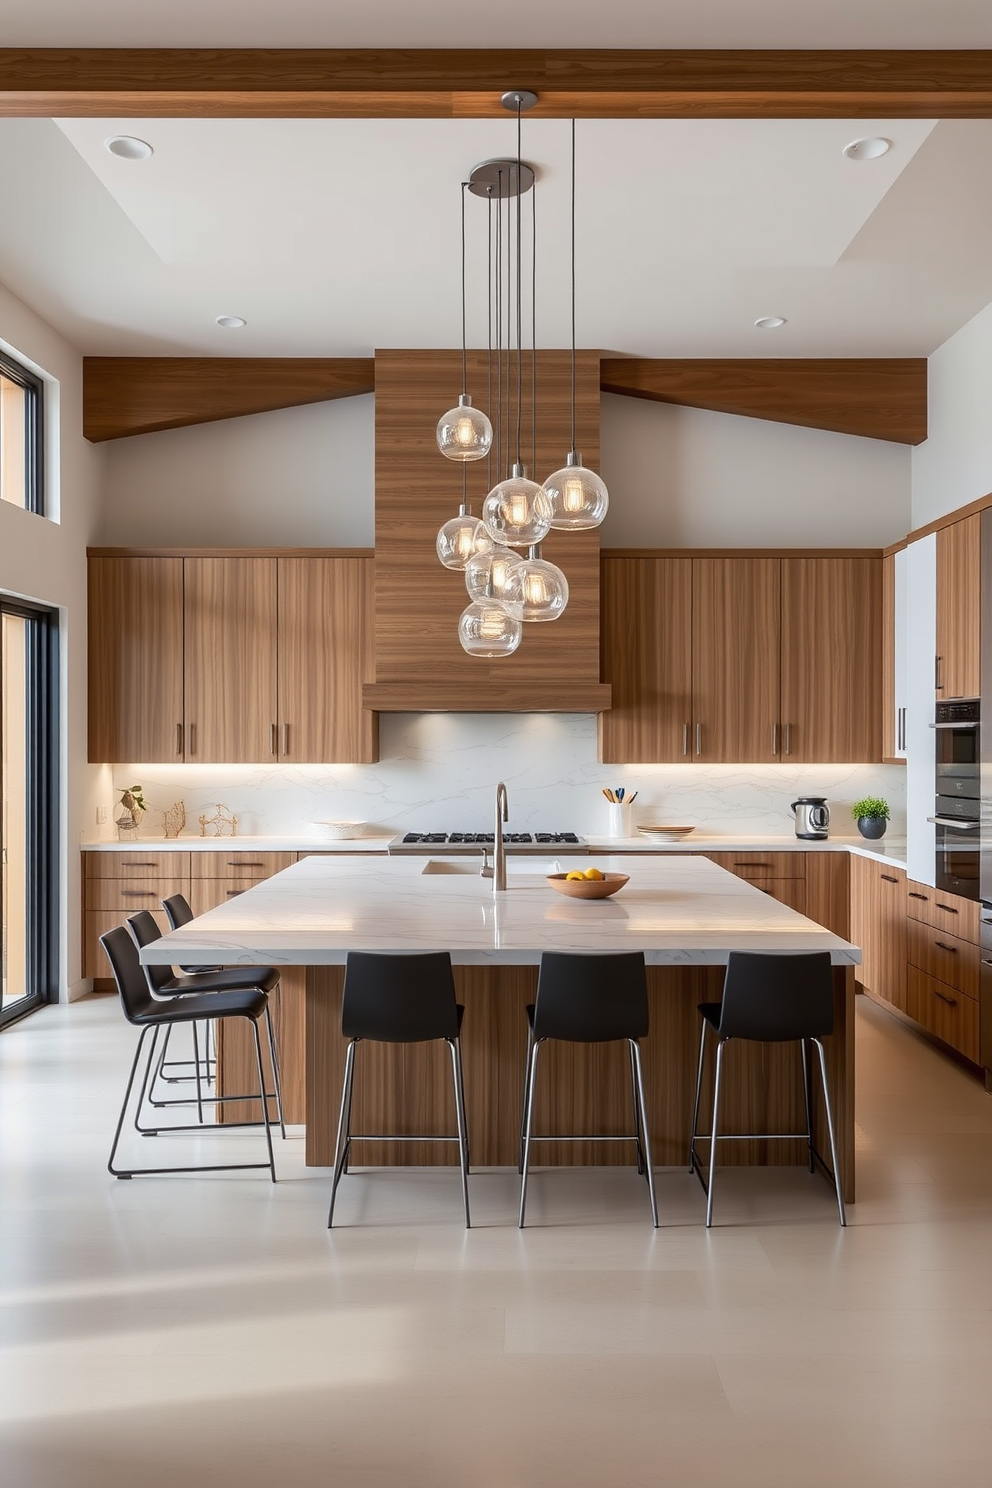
(959, 577)
(646, 616)
(325, 628)
(831, 649)
(231, 659)
(135, 659)
(736, 606)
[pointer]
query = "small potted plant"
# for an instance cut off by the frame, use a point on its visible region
(133, 809)
(872, 816)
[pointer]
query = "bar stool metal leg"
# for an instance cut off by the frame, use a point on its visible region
(344, 1126)
(804, 1061)
(528, 1124)
(699, 1087)
(638, 1074)
(841, 1211)
(263, 1096)
(274, 1059)
(456, 1074)
(639, 1146)
(721, 1043)
(523, 1104)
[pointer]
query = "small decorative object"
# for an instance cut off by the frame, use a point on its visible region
(133, 808)
(175, 819)
(221, 824)
(872, 816)
(575, 885)
(341, 831)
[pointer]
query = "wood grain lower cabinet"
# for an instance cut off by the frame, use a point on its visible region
(944, 1011)
(781, 875)
(646, 619)
(943, 911)
(831, 706)
(878, 926)
(959, 582)
(116, 885)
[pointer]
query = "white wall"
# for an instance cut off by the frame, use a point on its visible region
(46, 561)
(297, 477)
(954, 465)
(685, 477)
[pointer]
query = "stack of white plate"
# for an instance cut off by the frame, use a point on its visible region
(665, 834)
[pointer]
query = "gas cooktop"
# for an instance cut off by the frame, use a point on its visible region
(452, 841)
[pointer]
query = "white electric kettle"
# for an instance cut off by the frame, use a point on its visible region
(812, 818)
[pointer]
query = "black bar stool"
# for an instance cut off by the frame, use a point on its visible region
(179, 913)
(162, 982)
(153, 1015)
(589, 1000)
(408, 999)
(769, 999)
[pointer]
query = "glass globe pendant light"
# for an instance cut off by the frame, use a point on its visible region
(517, 512)
(464, 433)
(487, 575)
(461, 539)
(487, 628)
(538, 590)
(578, 498)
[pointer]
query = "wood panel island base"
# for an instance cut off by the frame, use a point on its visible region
(685, 914)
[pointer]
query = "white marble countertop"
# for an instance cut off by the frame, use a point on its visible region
(887, 850)
(678, 910)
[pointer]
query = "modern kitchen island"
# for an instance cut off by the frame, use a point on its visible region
(686, 915)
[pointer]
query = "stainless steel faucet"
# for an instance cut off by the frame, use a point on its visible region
(499, 855)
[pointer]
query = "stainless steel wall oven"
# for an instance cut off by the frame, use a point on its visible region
(957, 816)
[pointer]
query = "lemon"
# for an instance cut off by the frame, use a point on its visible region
(592, 874)
(574, 877)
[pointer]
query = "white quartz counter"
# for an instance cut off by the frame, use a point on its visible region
(285, 842)
(679, 910)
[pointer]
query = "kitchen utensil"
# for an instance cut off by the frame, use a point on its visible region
(812, 818)
(588, 888)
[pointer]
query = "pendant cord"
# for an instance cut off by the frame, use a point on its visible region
(489, 358)
(499, 325)
(533, 329)
(464, 342)
(573, 284)
(519, 280)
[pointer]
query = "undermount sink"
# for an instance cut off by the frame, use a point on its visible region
(470, 867)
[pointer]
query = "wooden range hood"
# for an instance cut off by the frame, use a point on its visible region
(419, 663)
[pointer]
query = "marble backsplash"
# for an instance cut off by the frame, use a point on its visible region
(438, 772)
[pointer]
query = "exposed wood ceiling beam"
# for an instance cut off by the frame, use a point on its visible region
(139, 395)
(879, 398)
(62, 81)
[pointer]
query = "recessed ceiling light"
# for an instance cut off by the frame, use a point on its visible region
(127, 147)
(868, 149)
(231, 322)
(770, 322)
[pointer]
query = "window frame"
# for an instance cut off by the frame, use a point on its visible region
(34, 432)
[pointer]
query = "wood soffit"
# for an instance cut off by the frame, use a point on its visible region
(379, 83)
(875, 398)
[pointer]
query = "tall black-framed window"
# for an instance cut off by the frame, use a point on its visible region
(29, 807)
(22, 436)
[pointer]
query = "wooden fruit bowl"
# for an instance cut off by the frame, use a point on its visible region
(588, 888)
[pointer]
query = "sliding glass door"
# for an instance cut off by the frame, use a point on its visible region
(28, 808)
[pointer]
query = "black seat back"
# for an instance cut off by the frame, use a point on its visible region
(177, 910)
(591, 999)
(774, 998)
(122, 953)
(399, 999)
(146, 931)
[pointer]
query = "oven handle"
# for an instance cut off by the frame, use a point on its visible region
(960, 726)
(947, 821)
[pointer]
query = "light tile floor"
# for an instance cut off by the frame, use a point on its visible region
(209, 1331)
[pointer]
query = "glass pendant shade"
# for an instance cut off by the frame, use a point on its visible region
(578, 498)
(517, 513)
(461, 539)
(464, 433)
(537, 590)
(487, 575)
(486, 628)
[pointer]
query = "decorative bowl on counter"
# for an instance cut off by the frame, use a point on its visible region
(341, 831)
(665, 834)
(588, 888)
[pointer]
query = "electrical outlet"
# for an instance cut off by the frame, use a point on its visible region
(101, 816)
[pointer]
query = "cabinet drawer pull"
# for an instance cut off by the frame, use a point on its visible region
(243, 864)
(233, 893)
(951, 1001)
(986, 963)
(747, 866)
(138, 865)
(888, 877)
(947, 908)
(914, 895)
(137, 893)
(941, 945)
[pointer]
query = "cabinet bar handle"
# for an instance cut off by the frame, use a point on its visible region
(952, 1001)
(914, 895)
(137, 893)
(233, 893)
(888, 877)
(685, 738)
(243, 864)
(941, 946)
(947, 908)
(192, 738)
(774, 738)
(986, 963)
(699, 738)
(285, 738)
(139, 865)
(937, 687)
(179, 738)
(273, 739)
(788, 738)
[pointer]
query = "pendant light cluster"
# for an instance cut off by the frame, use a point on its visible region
(509, 583)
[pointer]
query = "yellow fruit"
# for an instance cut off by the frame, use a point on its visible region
(593, 874)
(573, 877)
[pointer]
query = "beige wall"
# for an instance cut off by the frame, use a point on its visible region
(46, 561)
